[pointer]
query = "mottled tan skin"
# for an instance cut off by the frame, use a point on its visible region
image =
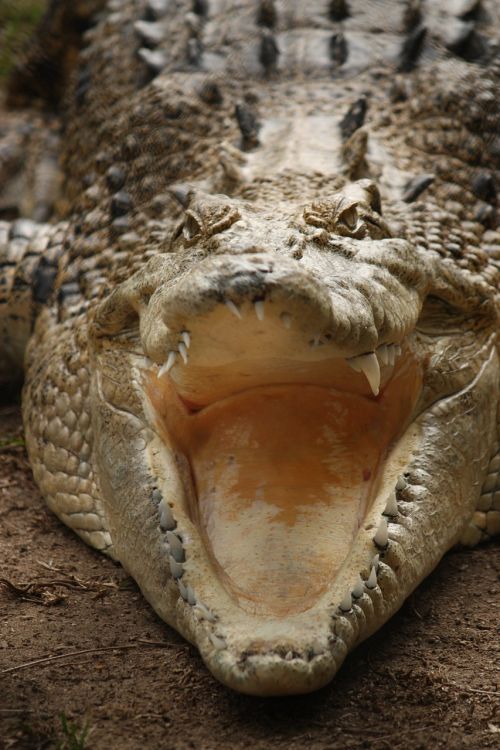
(208, 205)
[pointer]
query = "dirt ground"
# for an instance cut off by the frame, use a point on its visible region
(80, 648)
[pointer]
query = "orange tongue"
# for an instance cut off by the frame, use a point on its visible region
(283, 476)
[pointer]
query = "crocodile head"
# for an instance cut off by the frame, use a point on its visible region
(280, 399)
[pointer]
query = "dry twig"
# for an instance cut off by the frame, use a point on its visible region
(120, 647)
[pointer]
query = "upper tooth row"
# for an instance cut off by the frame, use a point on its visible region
(172, 355)
(387, 353)
(381, 540)
(368, 364)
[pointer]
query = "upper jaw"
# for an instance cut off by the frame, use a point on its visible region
(259, 306)
(355, 294)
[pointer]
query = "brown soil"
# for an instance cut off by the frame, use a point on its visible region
(429, 679)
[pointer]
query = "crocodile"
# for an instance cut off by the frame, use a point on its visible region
(250, 271)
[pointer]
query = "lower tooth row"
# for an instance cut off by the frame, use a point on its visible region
(360, 586)
(177, 557)
(381, 540)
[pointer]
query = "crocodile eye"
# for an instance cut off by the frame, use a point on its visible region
(192, 227)
(349, 217)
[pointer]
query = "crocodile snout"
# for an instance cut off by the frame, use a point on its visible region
(260, 304)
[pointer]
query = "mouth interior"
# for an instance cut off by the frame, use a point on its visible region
(282, 476)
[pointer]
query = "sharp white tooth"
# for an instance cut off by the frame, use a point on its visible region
(168, 364)
(375, 561)
(151, 33)
(391, 508)
(398, 350)
(205, 612)
(346, 603)
(383, 354)
(359, 588)
(372, 579)
(217, 641)
(167, 522)
(401, 483)
(289, 656)
(353, 362)
(183, 352)
(175, 567)
(170, 360)
(182, 589)
(186, 338)
(234, 309)
(259, 309)
(381, 537)
(371, 368)
(286, 319)
(154, 59)
(191, 596)
(176, 548)
(391, 350)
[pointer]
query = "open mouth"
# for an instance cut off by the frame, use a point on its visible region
(281, 443)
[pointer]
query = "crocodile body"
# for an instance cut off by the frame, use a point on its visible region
(260, 331)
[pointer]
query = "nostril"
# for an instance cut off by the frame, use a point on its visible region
(350, 218)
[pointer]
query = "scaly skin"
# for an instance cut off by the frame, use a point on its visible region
(264, 367)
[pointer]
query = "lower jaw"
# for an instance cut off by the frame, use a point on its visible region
(282, 480)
